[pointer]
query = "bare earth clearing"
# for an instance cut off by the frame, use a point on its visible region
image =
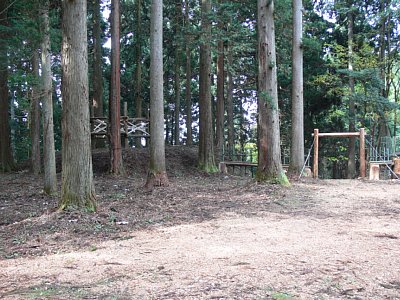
(203, 237)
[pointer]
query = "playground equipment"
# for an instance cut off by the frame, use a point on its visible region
(129, 127)
(135, 127)
(360, 135)
(385, 155)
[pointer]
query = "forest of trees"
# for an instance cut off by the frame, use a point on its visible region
(225, 75)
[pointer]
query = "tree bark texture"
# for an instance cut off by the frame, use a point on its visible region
(36, 164)
(384, 51)
(220, 113)
(177, 68)
(49, 156)
(229, 103)
(188, 89)
(138, 71)
(97, 62)
(157, 175)
(77, 190)
(116, 165)
(206, 159)
(269, 154)
(297, 141)
(97, 103)
(6, 157)
(351, 163)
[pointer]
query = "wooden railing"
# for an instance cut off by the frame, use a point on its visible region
(132, 127)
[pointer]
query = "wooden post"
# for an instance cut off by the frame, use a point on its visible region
(315, 164)
(396, 166)
(363, 164)
(374, 171)
(125, 118)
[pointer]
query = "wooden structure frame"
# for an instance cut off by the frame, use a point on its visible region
(360, 134)
(136, 127)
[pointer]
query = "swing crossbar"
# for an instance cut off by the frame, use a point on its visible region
(339, 134)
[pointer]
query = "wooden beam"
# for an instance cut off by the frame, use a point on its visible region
(339, 134)
(315, 164)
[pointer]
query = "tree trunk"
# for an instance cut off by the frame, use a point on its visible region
(269, 154)
(157, 175)
(351, 164)
(383, 63)
(77, 190)
(116, 165)
(35, 116)
(188, 91)
(220, 136)
(229, 104)
(206, 160)
(98, 111)
(168, 119)
(297, 143)
(6, 158)
(49, 157)
(177, 80)
(138, 71)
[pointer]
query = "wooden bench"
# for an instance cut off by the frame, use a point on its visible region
(223, 166)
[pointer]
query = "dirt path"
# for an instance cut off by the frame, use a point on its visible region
(315, 240)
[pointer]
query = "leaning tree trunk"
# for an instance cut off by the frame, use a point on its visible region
(49, 155)
(206, 159)
(97, 69)
(116, 165)
(188, 91)
(351, 164)
(269, 154)
(157, 175)
(6, 158)
(297, 141)
(77, 190)
(35, 116)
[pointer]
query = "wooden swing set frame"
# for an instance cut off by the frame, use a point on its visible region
(360, 134)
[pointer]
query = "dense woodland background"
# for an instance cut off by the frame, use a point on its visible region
(351, 71)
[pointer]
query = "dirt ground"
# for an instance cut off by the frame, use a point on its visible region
(203, 237)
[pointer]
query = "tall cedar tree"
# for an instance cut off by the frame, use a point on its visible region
(385, 51)
(220, 137)
(177, 68)
(35, 115)
(188, 85)
(116, 165)
(269, 154)
(77, 189)
(138, 71)
(351, 163)
(49, 155)
(157, 175)
(97, 102)
(297, 141)
(6, 158)
(206, 159)
(229, 101)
